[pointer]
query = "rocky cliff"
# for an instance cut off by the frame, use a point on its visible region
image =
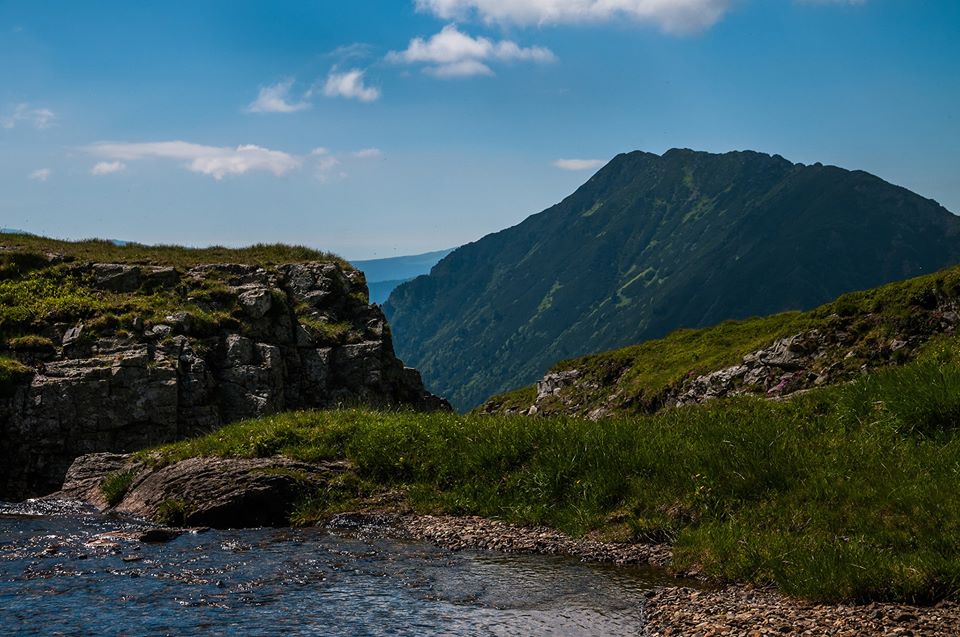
(113, 357)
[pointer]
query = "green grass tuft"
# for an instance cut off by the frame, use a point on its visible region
(172, 512)
(115, 486)
(12, 374)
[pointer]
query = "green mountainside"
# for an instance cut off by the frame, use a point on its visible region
(772, 356)
(655, 243)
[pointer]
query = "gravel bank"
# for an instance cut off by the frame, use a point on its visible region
(677, 611)
(740, 612)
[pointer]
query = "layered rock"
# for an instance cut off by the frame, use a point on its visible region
(216, 492)
(296, 336)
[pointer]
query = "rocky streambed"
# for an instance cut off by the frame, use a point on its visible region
(230, 493)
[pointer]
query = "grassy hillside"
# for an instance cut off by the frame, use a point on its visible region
(635, 379)
(655, 243)
(844, 493)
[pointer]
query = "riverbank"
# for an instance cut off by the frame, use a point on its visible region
(687, 609)
(736, 611)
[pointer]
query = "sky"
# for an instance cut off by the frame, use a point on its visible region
(381, 128)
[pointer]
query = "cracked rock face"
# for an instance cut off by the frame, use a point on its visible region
(119, 392)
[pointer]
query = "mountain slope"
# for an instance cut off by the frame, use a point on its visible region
(654, 243)
(772, 356)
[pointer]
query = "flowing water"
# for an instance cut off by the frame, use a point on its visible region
(68, 571)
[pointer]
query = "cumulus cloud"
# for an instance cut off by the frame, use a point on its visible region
(215, 161)
(327, 163)
(276, 99)
(26, 114)
(452, 53)
(368, 153)
(673, 16)
(107, 167)
(579, 164)
(40, 174)
(350, 84)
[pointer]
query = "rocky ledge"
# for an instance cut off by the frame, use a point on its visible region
(177, 353)
(214, 492)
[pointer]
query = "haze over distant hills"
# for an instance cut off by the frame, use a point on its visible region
(383, 275)
(654, 243)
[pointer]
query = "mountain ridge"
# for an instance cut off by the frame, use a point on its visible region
(652, 243)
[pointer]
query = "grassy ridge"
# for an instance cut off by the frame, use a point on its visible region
(36, 291)
(102, 251)
(843, 493)
(642, 373)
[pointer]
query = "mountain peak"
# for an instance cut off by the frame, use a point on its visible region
(652, 243)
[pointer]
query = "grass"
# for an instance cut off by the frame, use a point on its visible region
(31, 343)
(12, 373)
(644, 373)
(172, 512)
(844, 493)
(35, 292)
(102, 251)
(327, 332)
(115, 486)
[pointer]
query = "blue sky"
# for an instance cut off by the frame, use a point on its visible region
(382, 128)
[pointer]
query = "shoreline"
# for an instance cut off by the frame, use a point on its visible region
(732, 610)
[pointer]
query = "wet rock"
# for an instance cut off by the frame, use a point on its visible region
(159, 535)
(214, 492)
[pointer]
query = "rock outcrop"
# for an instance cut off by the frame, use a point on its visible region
(242, 341)
(215, 492)
(837, 351)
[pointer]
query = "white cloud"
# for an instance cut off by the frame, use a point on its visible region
(368, 153)
(107, 167)
(350, 85)
(25, 114)
(327, 162)
(579, 164)
(41, 174)
(452, 53)
(216, 161)
(276, 99)
(357, 50)
(673, 16)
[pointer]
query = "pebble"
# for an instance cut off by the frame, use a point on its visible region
(736, 611)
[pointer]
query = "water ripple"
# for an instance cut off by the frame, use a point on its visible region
(76, 573)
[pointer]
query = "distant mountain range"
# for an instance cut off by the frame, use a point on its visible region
(383, 275)
(654, 243)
